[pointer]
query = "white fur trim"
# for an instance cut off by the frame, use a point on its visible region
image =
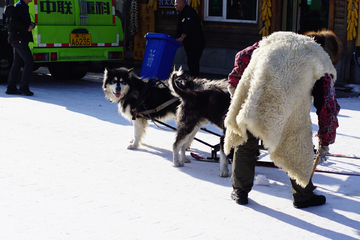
(273, 101)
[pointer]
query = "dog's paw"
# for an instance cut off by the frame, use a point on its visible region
(187, 160)
(132, 146)
(178, 164)
(224, 173)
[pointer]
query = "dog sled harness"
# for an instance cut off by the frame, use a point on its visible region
(142, 97)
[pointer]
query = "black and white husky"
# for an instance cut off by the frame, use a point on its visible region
(123, 86)
(202, 100)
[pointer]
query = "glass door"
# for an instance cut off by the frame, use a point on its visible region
(305, 15)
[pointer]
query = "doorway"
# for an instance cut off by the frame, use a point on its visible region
(305, 15)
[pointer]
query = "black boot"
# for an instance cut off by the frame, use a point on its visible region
(241, 198)
(316, 200)
(13, 91)
(26, 92)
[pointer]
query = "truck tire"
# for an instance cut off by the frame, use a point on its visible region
(65, 71)
(58, 72)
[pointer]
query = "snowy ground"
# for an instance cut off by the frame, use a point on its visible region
(65, 173)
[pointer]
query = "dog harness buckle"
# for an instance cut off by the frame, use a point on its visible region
(134, 114)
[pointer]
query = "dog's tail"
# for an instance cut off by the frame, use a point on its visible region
(176, 90)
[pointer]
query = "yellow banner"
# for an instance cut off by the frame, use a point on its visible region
(357, 42)
(146, 25)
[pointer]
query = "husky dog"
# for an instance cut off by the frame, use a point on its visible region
(202, 100)
(124, 87)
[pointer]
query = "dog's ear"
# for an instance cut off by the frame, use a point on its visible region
(174, 70)
(177, 72)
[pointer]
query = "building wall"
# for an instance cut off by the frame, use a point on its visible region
(224, 40)
(214, 60)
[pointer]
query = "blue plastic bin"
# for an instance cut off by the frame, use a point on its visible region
(159, 55)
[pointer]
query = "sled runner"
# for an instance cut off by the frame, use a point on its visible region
(261, 163)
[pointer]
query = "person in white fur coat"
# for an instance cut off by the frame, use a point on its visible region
(272, 101)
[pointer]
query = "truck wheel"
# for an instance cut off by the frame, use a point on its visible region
(4, 78)
(36, 66)
(58, 71)
(79, 69)
(77, 75)
(65, 71)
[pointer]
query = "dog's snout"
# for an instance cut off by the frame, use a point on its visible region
(118, 86)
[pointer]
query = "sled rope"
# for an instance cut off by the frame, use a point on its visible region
(341, 155)
(315, 164)
(171, 127)
(260, 163)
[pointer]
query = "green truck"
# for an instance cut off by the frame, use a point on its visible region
(70, 35)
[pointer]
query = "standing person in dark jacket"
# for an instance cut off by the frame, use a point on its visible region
(189, 32)
(20, 27)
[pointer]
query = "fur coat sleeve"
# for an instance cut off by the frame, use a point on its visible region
(273, 101)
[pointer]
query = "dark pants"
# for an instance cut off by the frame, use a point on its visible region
(243, 169)
(244, 161)
(22, 57)
(193, 59)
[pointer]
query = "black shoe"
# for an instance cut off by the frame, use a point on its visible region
(26, 92)
(316, 200)
(241, 198)
(13, 91)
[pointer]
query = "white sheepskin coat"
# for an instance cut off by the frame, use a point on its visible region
(273, 101)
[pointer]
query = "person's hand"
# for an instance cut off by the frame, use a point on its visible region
(322, 151)
(31, 27)
(180, 40)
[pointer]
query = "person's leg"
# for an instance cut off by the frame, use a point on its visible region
(305, 197)
(243, 169)
(25, 53)
(14, 71)
(193, 60)
(192, 64)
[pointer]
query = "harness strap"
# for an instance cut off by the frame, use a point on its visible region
(160, 107)
(141, 96)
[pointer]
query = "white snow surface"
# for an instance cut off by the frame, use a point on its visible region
(65, 173)
(261, 180)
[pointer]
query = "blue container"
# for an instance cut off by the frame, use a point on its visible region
(159, 55)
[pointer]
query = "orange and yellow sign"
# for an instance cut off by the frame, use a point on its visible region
(146, 25)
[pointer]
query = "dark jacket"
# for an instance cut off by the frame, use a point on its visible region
(19, 22)
(189, 24)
